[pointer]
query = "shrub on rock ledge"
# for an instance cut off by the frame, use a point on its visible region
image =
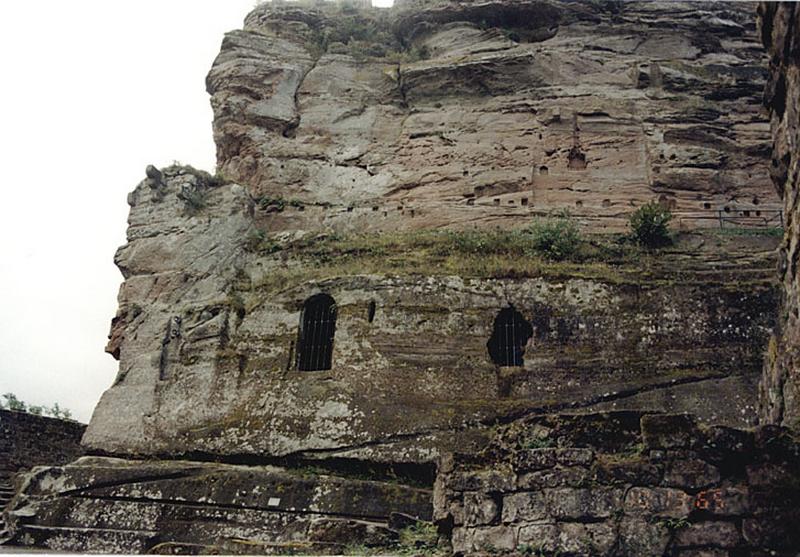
(649, 225)
(556, 237)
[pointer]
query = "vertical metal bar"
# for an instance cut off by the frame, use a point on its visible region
(302, 347)
(317, 335)
(513, 339)
(503, 345)
(312, 336)
(323, 335)
(329, 337)
(323, 338)
(309, 327)
(719, 216)
(506, 351)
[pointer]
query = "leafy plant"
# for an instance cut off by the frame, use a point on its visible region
(420, 538)
(218, 179)
(277, 204)
(674, 524)
(649, 225)
(536, 442)
(556, 237)
(273, 203)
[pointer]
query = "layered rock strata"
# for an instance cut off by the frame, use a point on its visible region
(104, 505)
(485, 113)
(358, 149)
(208, 336)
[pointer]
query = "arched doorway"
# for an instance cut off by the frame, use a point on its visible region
(510, 334)
(317, 329)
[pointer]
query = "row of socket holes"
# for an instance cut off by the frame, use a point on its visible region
(524, 203)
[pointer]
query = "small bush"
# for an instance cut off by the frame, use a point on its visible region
(555, 237)
(277, 204)
(535, 442)
(418, 539)
(649, 225)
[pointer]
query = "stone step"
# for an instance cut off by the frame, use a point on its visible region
(79, 540)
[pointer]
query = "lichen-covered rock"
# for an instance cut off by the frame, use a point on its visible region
(101, 505)
(658, 502)
(207, 338)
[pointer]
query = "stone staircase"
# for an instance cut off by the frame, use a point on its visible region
(111, 505)
(6, 494)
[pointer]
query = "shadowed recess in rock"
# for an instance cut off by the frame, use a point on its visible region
(510, 334)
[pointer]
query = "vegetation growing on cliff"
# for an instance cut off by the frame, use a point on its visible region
(515, 253)
(650, 225)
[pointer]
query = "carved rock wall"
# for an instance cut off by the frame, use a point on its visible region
(485, 113)
(207, 338)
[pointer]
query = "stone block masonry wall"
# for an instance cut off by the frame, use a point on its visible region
(605, 485)
(27, 440)
(778, 22)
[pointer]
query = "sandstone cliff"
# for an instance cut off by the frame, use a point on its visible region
(486, 112)
(307, 338)
(443, 116)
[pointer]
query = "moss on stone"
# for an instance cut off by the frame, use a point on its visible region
(513, 254)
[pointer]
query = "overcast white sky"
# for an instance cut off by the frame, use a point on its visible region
(92, 92)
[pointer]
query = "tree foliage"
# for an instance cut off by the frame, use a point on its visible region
(11, 402)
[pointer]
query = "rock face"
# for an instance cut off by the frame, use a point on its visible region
(359, 294)
(355, 291)
(103, 505)
(484, 113)
(209, 335)
(779, 395)
(338, 120)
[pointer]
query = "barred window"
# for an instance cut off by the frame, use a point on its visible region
(317, 329)
(510, 335)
